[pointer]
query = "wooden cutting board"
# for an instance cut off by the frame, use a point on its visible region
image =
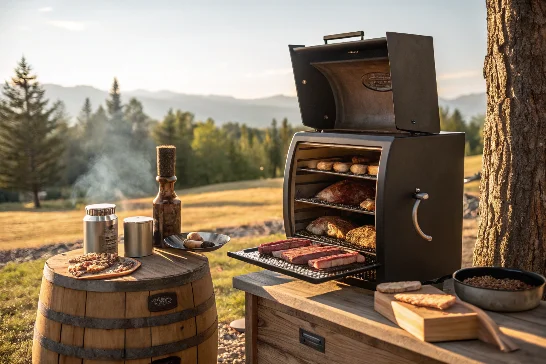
(429, 324)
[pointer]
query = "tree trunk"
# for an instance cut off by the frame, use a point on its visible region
(36, 198)
(512, 231)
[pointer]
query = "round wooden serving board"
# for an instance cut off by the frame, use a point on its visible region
(165, 268)
(113, 275)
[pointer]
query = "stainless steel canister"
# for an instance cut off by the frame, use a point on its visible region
(137, 236)
(100, 229)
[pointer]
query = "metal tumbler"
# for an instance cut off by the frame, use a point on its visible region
(137, 236)
(100, 229)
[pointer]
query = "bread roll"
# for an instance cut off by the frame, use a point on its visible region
(368, 204)
(358, 159)
(310, 164)
(359, 169)
(325, 165)
(342, 167)
(373, 170)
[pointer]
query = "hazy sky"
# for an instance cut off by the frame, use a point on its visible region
(230, 47)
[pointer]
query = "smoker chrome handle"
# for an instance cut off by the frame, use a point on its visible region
(360, 34)
(419, 196)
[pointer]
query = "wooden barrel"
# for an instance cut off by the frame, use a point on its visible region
(165, 312)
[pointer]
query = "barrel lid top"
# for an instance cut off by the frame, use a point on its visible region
(138, 219)
(165, 268)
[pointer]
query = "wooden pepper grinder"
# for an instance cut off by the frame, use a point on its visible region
(166, 205)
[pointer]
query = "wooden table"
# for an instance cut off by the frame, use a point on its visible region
(278, 308)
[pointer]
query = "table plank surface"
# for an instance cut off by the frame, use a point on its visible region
(352, 308)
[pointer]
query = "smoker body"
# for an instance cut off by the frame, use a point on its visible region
(432, 163)
(373, 105)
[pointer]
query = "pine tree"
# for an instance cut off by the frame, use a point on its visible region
(85, 114)
(134, 114)
(273, 149)
(177, 129)
(114, 105)
(31, 139)
(164, 133)
(286, 137)
(119, 127)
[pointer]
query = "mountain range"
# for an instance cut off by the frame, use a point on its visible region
(253, 112)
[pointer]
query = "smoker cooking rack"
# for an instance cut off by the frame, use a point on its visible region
(344, 174)
(339, 206)
(368, 252)
(304, 272)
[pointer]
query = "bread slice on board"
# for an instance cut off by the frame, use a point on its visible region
(440, 301)
(398, 287)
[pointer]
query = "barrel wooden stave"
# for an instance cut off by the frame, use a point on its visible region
(127, 305)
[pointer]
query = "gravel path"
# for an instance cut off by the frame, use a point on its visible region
(231, 345)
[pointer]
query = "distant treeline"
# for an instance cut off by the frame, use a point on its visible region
(109, 153)
(473, 129)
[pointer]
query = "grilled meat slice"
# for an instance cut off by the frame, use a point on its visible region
(363, 236)
(336, 260)
(347, 192)
(302, 256)
(268, 248)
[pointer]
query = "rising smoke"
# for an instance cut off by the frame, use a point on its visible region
(118, 172)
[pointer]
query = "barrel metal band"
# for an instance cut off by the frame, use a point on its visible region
(124, 354)
(130, 323)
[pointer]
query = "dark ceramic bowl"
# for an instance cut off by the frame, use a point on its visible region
(495, 299)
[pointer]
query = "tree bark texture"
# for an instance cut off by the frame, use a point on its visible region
(512, 231)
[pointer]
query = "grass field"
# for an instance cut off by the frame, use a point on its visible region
(204, 208)
(220, 205)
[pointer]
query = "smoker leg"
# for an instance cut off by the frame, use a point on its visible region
(251, 328)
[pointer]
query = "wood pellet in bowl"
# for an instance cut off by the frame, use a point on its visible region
(504, 284)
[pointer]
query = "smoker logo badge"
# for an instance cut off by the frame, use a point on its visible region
(377, 81)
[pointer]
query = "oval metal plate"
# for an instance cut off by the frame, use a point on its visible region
(377, 81)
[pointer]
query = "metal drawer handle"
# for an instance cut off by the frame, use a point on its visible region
(419, 196)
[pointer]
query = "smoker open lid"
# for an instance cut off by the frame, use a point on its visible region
(382, 85)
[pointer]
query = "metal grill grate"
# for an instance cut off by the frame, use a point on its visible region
(303, 272)
(336, 242)
(347, 174)
(316, 201)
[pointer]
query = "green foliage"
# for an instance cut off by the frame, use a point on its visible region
(32, 134)
(473, 130)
